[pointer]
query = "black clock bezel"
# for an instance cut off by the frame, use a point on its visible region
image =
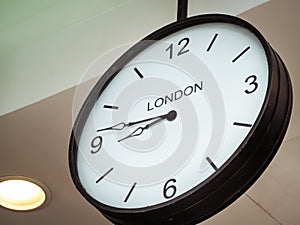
(234, 177)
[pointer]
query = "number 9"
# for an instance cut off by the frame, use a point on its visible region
(96, 143)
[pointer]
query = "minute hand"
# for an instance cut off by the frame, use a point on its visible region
(122, 125)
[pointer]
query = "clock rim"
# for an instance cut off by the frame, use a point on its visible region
(181, 203)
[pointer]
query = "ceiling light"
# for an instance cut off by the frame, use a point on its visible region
(21, 193)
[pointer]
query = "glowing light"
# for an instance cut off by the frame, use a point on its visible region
(19, 194)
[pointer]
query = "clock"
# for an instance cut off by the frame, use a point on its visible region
(182, 124)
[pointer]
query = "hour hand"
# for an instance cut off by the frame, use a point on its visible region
(138, 131)
(170, 116)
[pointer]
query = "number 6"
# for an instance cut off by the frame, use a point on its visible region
(169, 191)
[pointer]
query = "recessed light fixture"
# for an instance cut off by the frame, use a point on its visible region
(21, 193)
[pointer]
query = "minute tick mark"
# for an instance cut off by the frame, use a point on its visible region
(138, 73)
(110, 107)
(104, 175)
(211, 163)
(130, 191)
(239, 55)
(212, 42)
(242, 124)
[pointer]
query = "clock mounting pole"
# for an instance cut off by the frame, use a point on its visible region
(182, 9)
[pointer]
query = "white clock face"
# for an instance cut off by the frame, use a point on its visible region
(173, 116)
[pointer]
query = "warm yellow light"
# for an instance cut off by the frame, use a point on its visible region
(18, 194)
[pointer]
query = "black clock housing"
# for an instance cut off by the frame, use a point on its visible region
(234, 177)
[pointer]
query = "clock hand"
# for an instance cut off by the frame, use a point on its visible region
(138, 131)
(122, 125)
(119, 126)
(170, 116)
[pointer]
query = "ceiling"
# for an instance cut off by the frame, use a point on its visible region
(53, 42)
(34, 138)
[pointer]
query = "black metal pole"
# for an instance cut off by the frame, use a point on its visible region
(182, 9)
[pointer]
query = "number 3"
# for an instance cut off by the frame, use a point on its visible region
(252, 79)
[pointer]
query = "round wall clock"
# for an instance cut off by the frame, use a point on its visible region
(182, 124)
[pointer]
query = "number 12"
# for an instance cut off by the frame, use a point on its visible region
(184, 42)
